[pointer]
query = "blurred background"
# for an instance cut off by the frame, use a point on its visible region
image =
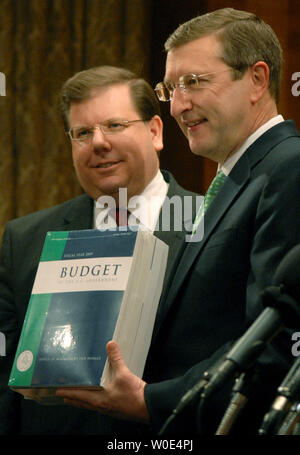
(44, 42)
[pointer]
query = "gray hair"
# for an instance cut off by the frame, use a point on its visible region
(244, 37)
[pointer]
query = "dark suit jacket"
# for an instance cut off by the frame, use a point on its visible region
(215, 293)
(21, 249)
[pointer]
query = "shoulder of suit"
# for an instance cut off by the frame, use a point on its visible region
(174, 187)
(56, 211)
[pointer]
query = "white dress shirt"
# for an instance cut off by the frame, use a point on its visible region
(144, 208)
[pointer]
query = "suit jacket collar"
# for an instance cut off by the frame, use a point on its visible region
(233, 185)
(79, 214)
(265, 143)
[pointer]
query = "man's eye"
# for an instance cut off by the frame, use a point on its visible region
(194, 82)
(115, 126)
(82, 134)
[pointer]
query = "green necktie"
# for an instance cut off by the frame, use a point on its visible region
(209, 196)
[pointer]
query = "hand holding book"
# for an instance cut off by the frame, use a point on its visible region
(122, 398)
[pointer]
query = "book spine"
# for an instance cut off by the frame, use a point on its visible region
(29, 343)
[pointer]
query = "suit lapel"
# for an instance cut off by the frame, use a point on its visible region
(80, 214)
(190, 251)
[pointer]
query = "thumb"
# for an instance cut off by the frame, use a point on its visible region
(114, 356)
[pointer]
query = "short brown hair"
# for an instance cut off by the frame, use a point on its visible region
(83, 84)
(244, 37)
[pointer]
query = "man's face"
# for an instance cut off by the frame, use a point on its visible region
(215, 118)
(126, 159)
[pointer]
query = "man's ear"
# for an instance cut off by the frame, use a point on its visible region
(260, 77)
(156, 130)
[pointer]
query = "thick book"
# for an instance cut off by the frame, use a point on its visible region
(91, 286)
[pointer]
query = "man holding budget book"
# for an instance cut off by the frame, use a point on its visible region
(222, 80)
(113, 121)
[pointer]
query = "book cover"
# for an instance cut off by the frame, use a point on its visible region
(91, 286)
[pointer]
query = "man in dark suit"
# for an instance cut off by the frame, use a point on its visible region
(222, 80)
(116, 133)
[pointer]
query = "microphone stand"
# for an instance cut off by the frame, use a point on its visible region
(297, 428)
(288, 391)
(240, 396)
(290, 425)
(236, 404)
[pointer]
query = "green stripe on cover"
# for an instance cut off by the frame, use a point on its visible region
(54, 246)
(25, 358)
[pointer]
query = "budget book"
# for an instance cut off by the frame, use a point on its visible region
(91, 286)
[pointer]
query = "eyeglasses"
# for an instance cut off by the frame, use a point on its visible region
(84, 134)
(164, 90)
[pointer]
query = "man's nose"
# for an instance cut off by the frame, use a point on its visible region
(100, 140)
(180, 102)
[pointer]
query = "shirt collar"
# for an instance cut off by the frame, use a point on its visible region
(232, 160)
(144, 207)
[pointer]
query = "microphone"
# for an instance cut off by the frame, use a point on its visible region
(283, 309)
(288, 392)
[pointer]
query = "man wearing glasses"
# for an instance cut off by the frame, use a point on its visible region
(112, 119)
(222, 80)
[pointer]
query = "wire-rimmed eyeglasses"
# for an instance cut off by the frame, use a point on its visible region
(84, 134)
(164, 90)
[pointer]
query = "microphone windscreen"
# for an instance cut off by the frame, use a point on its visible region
(288, 273)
